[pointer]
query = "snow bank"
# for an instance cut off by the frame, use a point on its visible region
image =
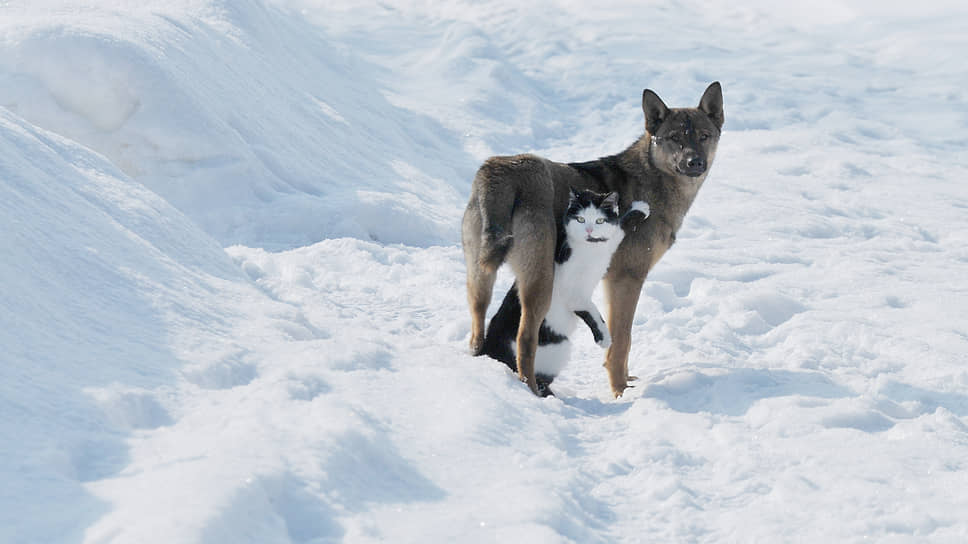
(242, 115)
(98, 274)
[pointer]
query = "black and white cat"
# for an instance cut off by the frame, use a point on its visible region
(590, 233)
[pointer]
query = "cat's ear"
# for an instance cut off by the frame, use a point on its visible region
(574, 195)
(611, 201)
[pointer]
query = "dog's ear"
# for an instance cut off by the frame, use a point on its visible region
(610, 201)
(712, 103)
(655, 110)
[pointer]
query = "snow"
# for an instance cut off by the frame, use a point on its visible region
(233, 293)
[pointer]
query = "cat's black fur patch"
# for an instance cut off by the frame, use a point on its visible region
(547, 336)
(583, 199)
(564, 250)
(504, 325)
(544, 385)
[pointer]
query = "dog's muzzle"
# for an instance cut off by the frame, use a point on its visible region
(692, 165)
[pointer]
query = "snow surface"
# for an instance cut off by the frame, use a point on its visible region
(233, 303)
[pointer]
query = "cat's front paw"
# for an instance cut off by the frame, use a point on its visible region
(640, 206)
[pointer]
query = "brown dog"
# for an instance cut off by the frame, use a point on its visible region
(517, 203)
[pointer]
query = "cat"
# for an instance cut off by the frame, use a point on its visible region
(590, 232)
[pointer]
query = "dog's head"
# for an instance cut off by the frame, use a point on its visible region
(683, 140)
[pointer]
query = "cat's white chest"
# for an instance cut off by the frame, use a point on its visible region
(575, 281)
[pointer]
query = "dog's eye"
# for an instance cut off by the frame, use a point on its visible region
(703, 136)
(580, 219)
(675, 138)
(599, 221)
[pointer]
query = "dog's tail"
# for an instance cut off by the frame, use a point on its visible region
(495, 245)
(496, 202)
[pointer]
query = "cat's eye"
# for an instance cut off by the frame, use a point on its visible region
(580, 219)
(599, 221)
(675, 138)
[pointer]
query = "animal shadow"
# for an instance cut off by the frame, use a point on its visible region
(732, 391)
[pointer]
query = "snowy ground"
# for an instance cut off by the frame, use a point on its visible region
(233, 307)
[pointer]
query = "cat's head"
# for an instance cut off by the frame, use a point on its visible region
(592, 217)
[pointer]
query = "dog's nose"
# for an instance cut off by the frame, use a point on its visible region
(692, 164)
(696, 163)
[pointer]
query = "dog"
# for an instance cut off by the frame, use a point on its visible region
(517, 202)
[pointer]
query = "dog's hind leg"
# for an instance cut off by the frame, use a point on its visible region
(535, 301)
(480, 279)
(532, 259)
(486, 238)
(480, 284)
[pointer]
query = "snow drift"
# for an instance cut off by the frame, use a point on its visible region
(242, 115)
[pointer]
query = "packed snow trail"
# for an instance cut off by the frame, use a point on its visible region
(731, 427)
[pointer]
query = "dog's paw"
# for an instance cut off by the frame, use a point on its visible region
(476, 345)
(618, 392)
(605, 341)
(641, 206)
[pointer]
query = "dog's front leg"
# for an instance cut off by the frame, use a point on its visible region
(622, 296)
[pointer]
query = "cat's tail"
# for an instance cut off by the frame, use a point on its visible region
(503, 330)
